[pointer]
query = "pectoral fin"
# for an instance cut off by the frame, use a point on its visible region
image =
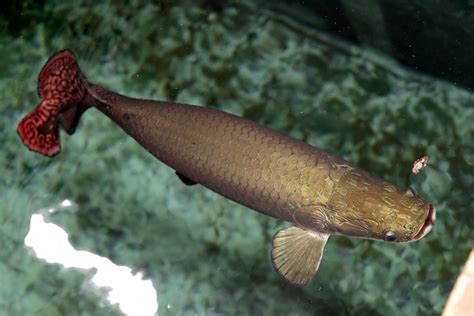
(296, 253)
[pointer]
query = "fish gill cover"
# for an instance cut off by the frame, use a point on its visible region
(204, 253)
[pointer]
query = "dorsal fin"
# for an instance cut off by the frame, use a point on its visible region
(296, 253)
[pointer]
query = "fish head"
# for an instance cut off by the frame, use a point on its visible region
(368, 207)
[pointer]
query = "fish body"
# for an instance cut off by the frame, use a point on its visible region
(265, 170)
(249, 163)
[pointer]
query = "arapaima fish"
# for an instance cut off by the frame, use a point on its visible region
(319, 193)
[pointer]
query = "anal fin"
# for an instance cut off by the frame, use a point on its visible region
(70, 118)
(296, 253)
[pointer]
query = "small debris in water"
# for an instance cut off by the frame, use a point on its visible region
(419, 164)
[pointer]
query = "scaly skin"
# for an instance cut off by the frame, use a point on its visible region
(246, 162)
(240, 159)
(264, 169)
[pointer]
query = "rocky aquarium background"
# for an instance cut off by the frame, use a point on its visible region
(205, 254)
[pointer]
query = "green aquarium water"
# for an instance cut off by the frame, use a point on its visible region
(192, 251)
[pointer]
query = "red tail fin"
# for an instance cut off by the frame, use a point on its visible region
(63, 87)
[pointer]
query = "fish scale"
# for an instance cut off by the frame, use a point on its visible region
(243, 161)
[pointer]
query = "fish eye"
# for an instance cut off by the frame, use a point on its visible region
(411, 192)
(390, 236)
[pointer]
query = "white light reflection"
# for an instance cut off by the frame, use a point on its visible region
(133, 295)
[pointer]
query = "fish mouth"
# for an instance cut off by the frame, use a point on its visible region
(428, 225)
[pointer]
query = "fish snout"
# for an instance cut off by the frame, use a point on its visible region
(428, 224)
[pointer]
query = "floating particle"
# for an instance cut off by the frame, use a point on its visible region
(419, 164)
